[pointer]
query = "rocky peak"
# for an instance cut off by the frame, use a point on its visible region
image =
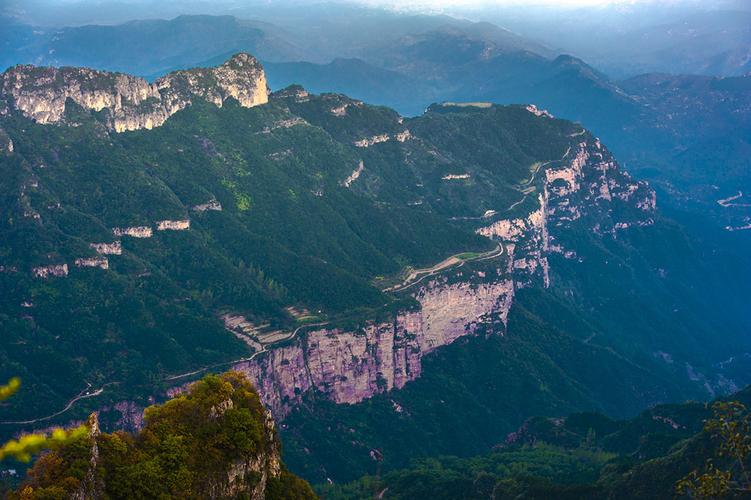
(131, 103)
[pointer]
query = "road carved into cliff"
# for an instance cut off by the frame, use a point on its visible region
(415, 276)
(88, 393)
(264, 348)
(525, 188)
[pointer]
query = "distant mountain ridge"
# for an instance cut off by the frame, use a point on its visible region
(184, 41)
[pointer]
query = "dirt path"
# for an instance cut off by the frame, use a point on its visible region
(537, 168)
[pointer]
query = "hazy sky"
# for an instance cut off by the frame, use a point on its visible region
(560, 3)
(67, 12)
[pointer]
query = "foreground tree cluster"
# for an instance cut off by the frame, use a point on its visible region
(214, 441)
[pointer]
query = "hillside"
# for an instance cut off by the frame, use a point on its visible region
(359, 266)
(214, 441)
(583, 455)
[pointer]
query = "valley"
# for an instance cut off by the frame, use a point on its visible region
(441, 257)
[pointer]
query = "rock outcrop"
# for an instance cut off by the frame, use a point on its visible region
(114, 248)
(350, 366)
(131, 103)
(354, 175)
(217, 435)
(366, 142)
(54, 270)
(173, 225)
(100, 262)
(133, 231)
(585, 184)
(6, 143)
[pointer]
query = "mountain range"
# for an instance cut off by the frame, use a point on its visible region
(408, 61)
(411, 285)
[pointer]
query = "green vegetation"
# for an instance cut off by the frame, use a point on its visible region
(216, 440)
(618, 331)
(23, 448)
(730, 428)
(468, 255)
(551, 361)
(529, 472)
(588, 455)
(154, 312)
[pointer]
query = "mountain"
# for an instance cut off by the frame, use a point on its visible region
(451, 65)
(163, 45)
(686, 134)
(624, 40)
(706, 43)
(584, 455)
(130, 102)
(415, 285)
(315, 34)
(691, 141)
(214, 441)
(355, 77)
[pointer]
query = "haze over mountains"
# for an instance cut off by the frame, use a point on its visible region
(411, 231)
(410, 60)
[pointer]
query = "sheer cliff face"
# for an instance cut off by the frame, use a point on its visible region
(586, 189)
(131, 103)
(575, 187)
(350, 366)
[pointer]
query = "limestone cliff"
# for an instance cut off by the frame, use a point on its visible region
(585, 189)
(130, 103)
(350, 366)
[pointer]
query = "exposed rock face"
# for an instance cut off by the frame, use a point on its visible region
(354, 175)
(585, 184)
(173, 225)
(264, 465)
(211, 205)
(100, 262)
(402, 136)
(538, 112)
(201, 420)
(133, 231)
(56, 270)
(131, 418)
(91, 485)
(453, 177)
(350, 366)
(584, 189)
(369, 141)
(114, 248)
(131, 103)
(6, 144)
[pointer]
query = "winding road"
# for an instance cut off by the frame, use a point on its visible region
(264, 348)
(417, 275)
(86, 393)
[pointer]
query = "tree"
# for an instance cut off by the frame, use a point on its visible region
(730, 429)
(215, 440)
